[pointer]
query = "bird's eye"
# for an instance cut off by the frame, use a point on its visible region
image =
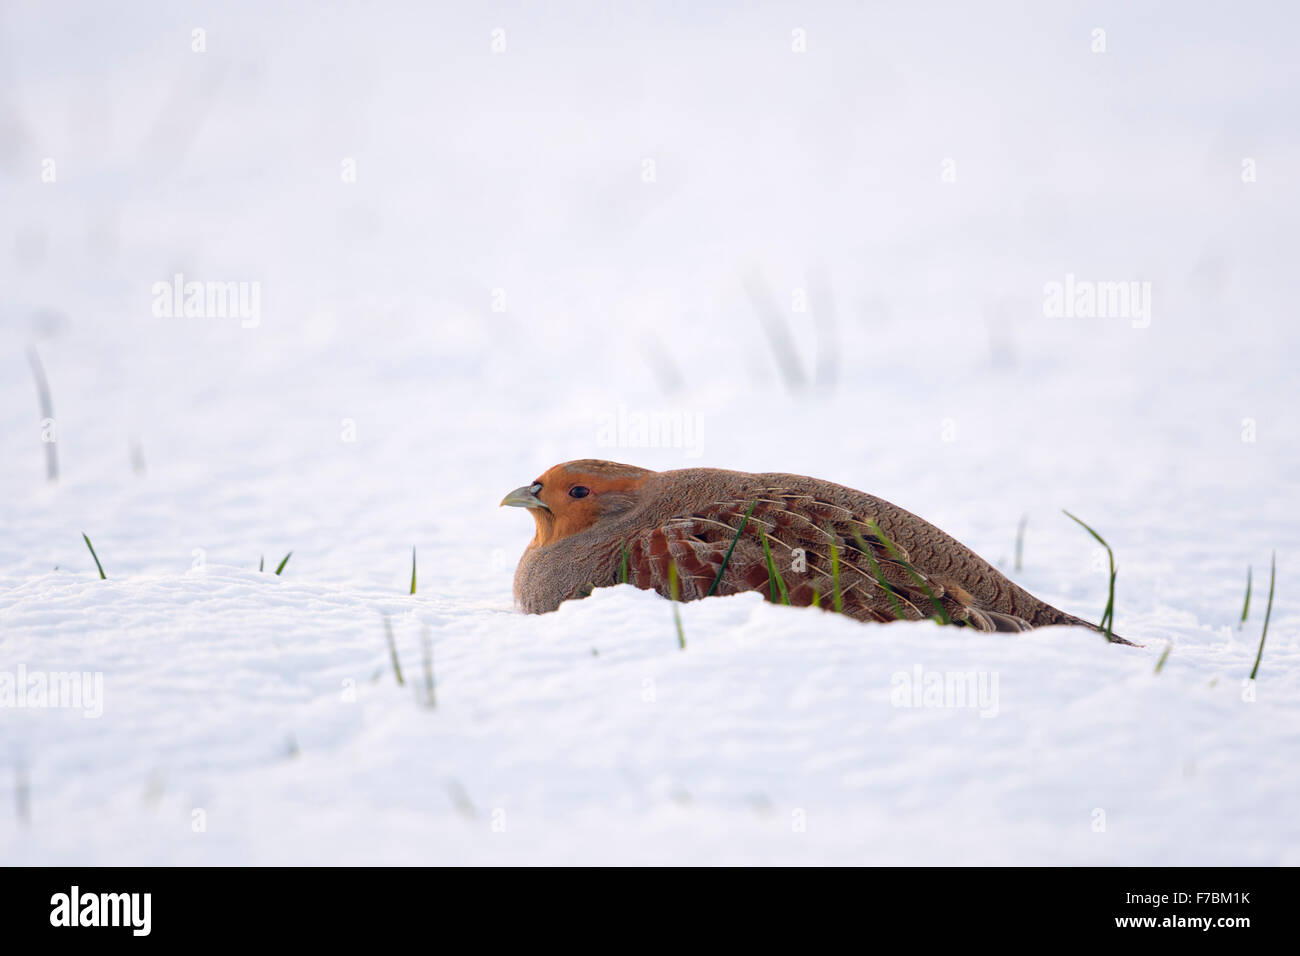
(579, 491)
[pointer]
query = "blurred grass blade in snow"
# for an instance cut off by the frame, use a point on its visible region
(392, 650)
(826, 369)
(1268, 612)
(413, 570)
(664, 369)
(1020, 541)
(284, 562)
(1164, 657)
(430, 700)
(47, 416)
(1108, 617)
(1245, 608)
(460, 799)
(777, 333)
(22, 795)
(102, 576)
(727, 557)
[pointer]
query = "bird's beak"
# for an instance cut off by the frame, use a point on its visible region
(523, 498)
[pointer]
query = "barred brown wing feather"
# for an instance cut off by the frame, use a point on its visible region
(875, 584)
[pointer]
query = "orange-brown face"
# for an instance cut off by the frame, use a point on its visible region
(571, 497)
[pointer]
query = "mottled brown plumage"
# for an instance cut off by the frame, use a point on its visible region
(596, 518)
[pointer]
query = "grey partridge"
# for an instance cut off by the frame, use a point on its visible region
(695, 532)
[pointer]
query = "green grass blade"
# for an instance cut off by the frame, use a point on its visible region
(674, 593)
(284, 562)
(939, 609)
(1245, 608)
(102, 575)
(622, 571)
(1164, 657)
(1268, 612)
(875, 570)
(774, 581)
(412, 569)
(1108, 616)
(837, 596)
(727, 559)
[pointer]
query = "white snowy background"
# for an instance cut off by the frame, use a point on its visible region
(542, 237)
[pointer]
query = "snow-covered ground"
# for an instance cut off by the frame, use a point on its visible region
(546, 246)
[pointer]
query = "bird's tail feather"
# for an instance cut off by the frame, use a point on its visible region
(1064, 618)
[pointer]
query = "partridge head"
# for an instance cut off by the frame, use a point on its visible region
(696, 532)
